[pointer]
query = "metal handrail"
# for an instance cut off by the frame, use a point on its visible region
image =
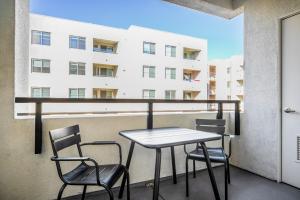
(39, 101)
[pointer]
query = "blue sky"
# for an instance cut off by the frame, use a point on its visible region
(225, 37)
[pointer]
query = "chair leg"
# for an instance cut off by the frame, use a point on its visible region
(226, 180)
(111, 195)
(83, 193)
(128, 185)
(187, 177)
(228, 168)
(61, 191)
(194, 168)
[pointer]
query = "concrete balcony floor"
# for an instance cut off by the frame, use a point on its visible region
(244, 186)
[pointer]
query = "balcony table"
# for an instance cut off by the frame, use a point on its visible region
(159, 138)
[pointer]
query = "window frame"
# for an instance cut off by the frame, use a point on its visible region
(77, 93)
(41, 92)
(148, 96)
(172, 94)
(41, 37)
(172, 47)
(149, 67)
(77, 68)
(152, 50)
(171, 69)
(42, 67)
(78, 39)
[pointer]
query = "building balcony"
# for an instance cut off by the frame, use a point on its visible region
(104, 70)
(212, 91)
(190, 94)
(191, 54)
(105, 46)
(191, 75)
(104, 93)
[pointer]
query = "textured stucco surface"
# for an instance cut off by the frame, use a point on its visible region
(258, 148)
(223, 8)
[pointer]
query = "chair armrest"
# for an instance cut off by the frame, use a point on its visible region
(70, 158)
(105, 143)
(230, 137)
(184, 148)
(57, 159)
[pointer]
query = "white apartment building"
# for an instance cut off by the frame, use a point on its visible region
(226, 79)
(94, 61)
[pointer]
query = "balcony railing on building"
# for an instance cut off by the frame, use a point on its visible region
(191, 75)
(191, 54)
(104, 70)
(105, 46)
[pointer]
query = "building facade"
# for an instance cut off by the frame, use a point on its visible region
(226, 79)
(94, 61)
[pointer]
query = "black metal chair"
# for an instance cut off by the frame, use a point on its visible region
(86, 175)
(216, 155)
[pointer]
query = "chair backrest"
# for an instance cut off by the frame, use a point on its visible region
(65, 137)
(211, 125)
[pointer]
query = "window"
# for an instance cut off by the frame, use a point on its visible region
(40, 65)
(40, 37)
(148, 94)
(149, 48)
(170, 73)
(76, 42)
(103, 71)
(106, 72)
(228, 70)
(170, 51)
(76, 68)
(76, 92)
(40, 92)
(149, 71)
(170, 94)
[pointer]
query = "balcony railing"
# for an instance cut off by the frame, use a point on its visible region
(103, 50)
(39, 101)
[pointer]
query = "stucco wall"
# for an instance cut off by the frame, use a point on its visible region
(258, 148)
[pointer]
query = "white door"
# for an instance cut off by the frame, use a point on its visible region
(291, 100)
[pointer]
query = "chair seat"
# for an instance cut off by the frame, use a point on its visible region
(83, 174)
(215, 155)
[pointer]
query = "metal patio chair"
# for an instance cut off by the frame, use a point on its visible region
(86, 175)
(216, 155)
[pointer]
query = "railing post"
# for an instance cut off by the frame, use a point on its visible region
(38, 128)
(220, 111)
(150, 116)
(237, 118)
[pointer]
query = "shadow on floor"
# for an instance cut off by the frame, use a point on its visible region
(244, 186)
